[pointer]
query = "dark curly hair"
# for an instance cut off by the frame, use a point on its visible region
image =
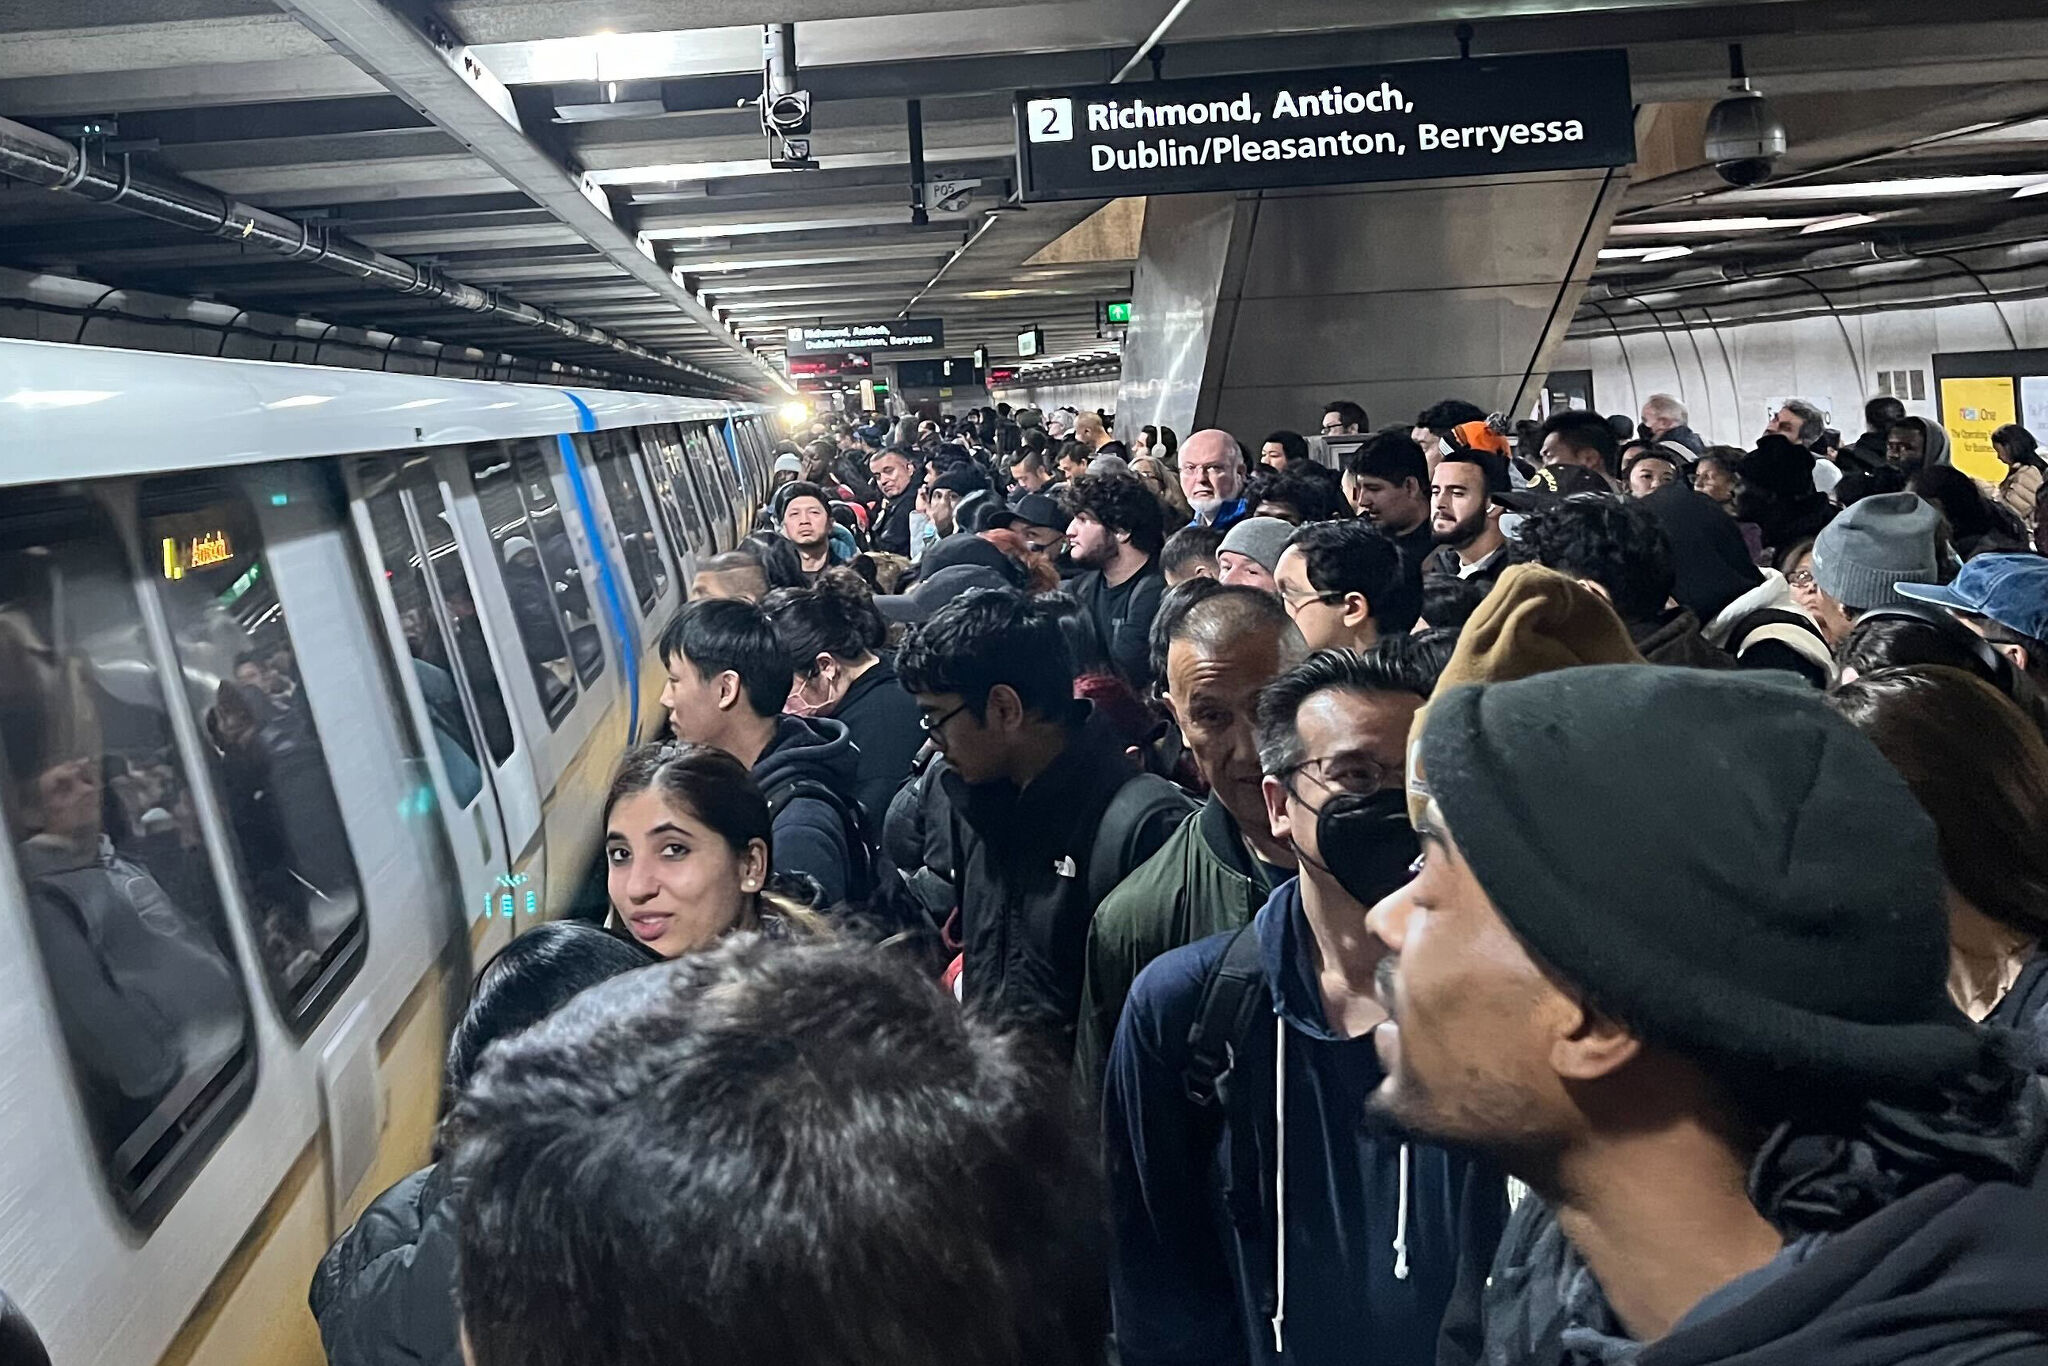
(835, 616)
(1121, 502)
(1618, 546)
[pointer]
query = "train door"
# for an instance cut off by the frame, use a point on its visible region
(711, 489)
(431, 618)
(624, 518)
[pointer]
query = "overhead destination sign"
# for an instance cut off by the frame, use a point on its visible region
(1270, 130)
(901, 334)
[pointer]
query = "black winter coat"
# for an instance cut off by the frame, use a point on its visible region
(891, 528)
(1023, 878)
(881, 720)
(384, 1294)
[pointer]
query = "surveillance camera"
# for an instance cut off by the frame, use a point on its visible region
(1745, 137)
(787, 114)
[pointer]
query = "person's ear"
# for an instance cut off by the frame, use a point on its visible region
(1004, 710)
(1275, 793)
(754, 866)
(730, 690)
(1172, 711)
(1356, 609)
(2016, 653)
(1589, 1046)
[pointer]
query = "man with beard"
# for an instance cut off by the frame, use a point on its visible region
(1214, 646)
(898, 473)
(1212, 477)
(1464, 518)
(1115, 534)
(1257, 1220)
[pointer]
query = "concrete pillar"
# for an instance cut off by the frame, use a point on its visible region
(1249, 312)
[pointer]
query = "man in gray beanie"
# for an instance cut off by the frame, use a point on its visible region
(1861, 557)
(1251, 549)
(1759, 1129)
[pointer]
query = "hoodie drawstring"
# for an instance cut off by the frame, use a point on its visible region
(1401, 1222)
(1280, 1183)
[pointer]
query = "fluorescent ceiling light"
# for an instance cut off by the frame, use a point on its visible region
(2029, 191)
(1698, 227)
(1839, 222)
(1914, 187)
(686, 171)
(1666, 254)
(714, 231)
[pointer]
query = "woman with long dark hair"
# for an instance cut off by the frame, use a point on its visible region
(2026, 469)
(1980, 768)
(686, 849)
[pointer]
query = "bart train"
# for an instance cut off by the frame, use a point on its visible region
(310, 684)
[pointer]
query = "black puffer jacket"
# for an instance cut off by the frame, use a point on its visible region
(881, 720)
(384, 1294)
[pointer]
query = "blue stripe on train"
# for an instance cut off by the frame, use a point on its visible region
(607, 575)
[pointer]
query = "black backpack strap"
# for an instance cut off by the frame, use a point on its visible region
(860, 870)
(1111, 857)
(1236, 1002)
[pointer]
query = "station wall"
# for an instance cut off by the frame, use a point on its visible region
(1083, 395)
(1732, 377)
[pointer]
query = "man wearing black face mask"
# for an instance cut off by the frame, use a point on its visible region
(1256, 1220)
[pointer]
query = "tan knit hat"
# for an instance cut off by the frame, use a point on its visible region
(1535, 620)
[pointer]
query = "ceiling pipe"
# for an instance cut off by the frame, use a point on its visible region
(33, 156)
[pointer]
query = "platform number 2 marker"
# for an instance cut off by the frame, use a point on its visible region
(1050, 120)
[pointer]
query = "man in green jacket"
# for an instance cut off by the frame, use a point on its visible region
(1214, 646)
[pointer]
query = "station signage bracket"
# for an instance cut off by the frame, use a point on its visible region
(1279, 129)
(900, 334)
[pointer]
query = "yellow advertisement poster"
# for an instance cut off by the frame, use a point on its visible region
(1972, 409)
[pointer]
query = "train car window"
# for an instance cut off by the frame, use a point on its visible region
(701, 468)
(419, 617)
(614, 453)
(678, 462)
(666, 497)
(126, 912)
(243, 684)
(536, 463)
(472, 651)
(529, 586)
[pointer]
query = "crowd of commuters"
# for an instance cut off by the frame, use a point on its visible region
(1446, 892)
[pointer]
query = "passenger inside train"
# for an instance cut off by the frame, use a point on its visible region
(699, 695)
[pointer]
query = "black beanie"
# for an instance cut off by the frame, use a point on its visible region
(1714, 858)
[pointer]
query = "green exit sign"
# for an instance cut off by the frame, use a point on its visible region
(1119, 312)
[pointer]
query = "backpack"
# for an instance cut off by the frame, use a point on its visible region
(1115, 852)
(1235, 1003)
(862, 859)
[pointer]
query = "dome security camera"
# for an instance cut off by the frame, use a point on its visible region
(1745, 137)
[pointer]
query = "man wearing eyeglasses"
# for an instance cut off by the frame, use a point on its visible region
(1342, 417)
(1044, 831)
(1257, 1220)
(1345, 587)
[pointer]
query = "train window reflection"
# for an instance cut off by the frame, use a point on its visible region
(242, 678)
(637, 541)
(686, 489)
(472, 651)
(537, 487)
(654, 463)
(419, 617)
(99, 807)
(534, 613)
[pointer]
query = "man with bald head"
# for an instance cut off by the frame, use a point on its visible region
(1093, 432)
(1213, 646)
(1212, 477)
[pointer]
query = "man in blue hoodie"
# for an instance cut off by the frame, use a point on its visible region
(1256, 1219)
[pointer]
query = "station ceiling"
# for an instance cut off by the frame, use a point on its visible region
(630, 188)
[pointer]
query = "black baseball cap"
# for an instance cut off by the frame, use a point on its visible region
(1033, 509)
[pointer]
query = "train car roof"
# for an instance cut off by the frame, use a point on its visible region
(89, 412)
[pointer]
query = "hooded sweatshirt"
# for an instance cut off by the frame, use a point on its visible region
(810, 834)
(1379, 1233)
(1952, 1272)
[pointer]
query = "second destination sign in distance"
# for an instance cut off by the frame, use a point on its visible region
(1270, 130)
